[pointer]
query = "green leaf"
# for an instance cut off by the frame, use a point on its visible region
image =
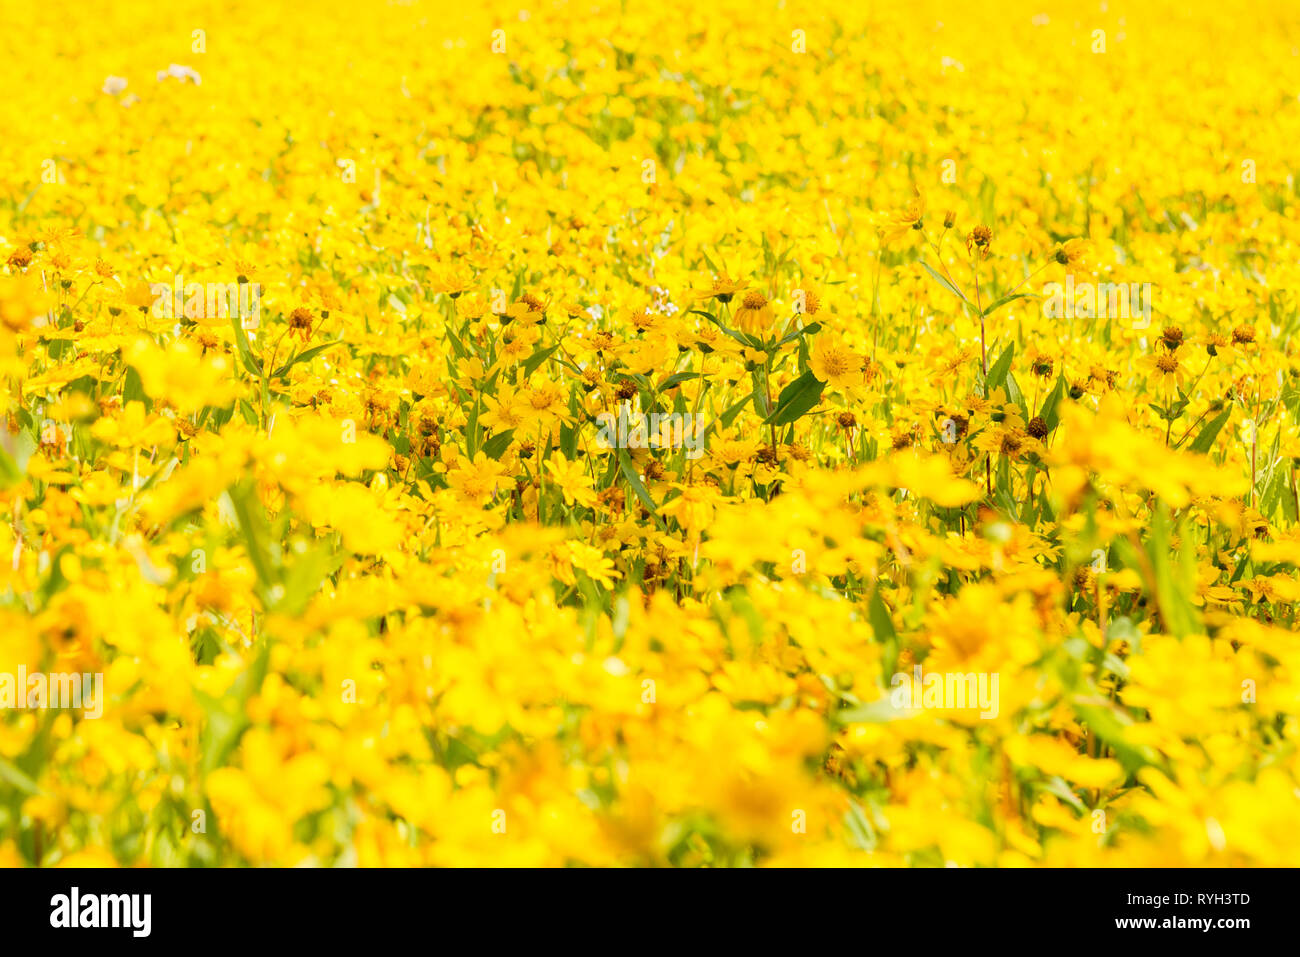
(1051, 410)
(226, 717)
(944, 282)
(133, 388)
(634, 480)
(252, 522)
(536, 359)
(743, 338)
(1011, 298)
(804, 331)
(305, 356)
(676, 379)
(796, 399)
(251, 362)
(1289, 511)
(456, 345)
(1108, 722)
(998, 374)
(16, 778)
(1272, 491)
(472, 431)
(859, 826)
(1056, 786)
(14, 455)
(303, 580)
(10, 473)
(496, 446)
(882, 623)
(1175, 576)
(727, 417)
(569, 433)
(1204, 440)
(762, 404)
(1015, 395)
(876, 712)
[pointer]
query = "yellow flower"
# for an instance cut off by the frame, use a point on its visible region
(835, 364)
(182, 375)
(593, 563)
(1071, 252)
(22, 300)
(572, 478)
(896, 225)
(476, 481)
(755, 315)
(1166, 371)
(721, 289)
(693, 508)
(508, 409)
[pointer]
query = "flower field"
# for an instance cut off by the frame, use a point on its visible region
(612, 434)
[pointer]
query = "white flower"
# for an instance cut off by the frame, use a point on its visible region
(114, 85)
(181, 73)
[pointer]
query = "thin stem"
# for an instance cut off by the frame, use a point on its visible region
(1254, 444)
(767, 390)
(938, 254)
(875, 291)
(1192, 426)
